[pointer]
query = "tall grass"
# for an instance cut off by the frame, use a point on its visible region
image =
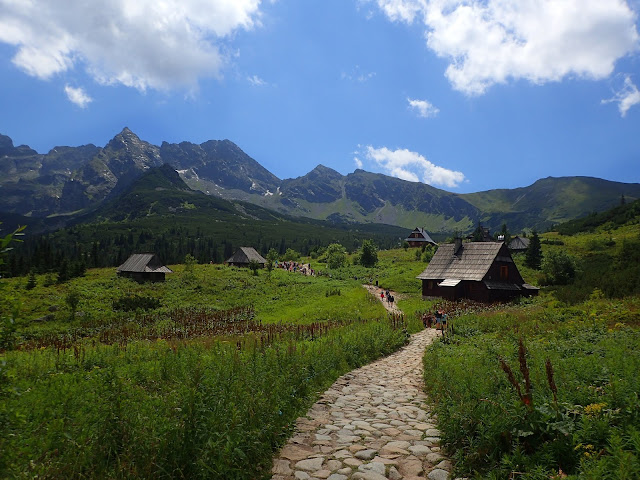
(565, 401)
(169, 409)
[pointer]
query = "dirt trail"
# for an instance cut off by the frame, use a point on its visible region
(376, 291)
(372, 424)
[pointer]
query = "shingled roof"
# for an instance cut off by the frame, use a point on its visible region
(424, 236)
(519, 243)
(143, 263)
(471, 262)
(246, 255)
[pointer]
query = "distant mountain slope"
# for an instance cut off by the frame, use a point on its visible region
(71, 179)
(550, 201)
(158, 212)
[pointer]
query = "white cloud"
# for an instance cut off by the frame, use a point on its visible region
(256, 81)
(423, 108)
(137, 43)
(78, 96)
(493, 41)
(357, 75)
(412, 166)
(626, 97)
(358, 162)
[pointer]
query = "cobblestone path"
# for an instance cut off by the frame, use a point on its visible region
(372, 424)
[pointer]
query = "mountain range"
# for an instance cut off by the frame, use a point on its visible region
(68, 181)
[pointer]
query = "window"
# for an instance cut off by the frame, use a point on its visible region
(504, 272)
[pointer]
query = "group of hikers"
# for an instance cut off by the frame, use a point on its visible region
(291, 266)
(386, 295)
(437, 319)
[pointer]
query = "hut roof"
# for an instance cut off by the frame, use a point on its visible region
(144, 262)
(423, 236)
(471, 262)
(246, 255)
(519, 243)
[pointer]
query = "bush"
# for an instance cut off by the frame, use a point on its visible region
(131, 303)
(368, 256)
(559, 267)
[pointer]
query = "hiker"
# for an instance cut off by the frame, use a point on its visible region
(438, 320)
(382, 296)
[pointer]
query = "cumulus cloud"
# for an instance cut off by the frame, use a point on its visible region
(358, 162)
(626, 97)
(137, 43)
(412, 166)
(493, 41)
(77, 96)
(423, 108)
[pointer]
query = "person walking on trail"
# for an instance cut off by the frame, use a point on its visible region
(382, 296)
(388, 294)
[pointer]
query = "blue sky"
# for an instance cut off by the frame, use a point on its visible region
(465, 95)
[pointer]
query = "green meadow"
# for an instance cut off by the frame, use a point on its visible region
(203, 376)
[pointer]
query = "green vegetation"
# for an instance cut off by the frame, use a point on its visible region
(568, 402)
(533, 255)
(169, 409)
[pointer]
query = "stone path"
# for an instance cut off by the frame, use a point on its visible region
(372, 424)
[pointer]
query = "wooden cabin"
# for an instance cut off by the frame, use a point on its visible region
(143, 267)
(244, 256)
(480, 271)
(519, 244)
(419, 237)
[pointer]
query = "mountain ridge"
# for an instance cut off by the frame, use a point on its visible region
(69, 179)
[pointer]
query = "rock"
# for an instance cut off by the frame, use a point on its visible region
(445, 465)
(410, 466)
(394, 474)
(324, 473)
(352, 462)
(366, 454)
(281, 467)
(310, 465)
(434, 458)
(296, 452)
(334, 465)
(373, 467)
(302, 476)
(419, 450)
(438, 474)
(368, 476)
(337, 476)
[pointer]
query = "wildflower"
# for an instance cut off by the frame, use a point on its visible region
(594, 409)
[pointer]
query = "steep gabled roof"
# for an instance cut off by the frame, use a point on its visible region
(246, 255)
(423, 236)
(471, 262)
(519, 243)
(144, 262)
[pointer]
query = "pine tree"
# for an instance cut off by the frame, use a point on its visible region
(533, 258)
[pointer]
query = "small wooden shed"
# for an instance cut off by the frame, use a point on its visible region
(244, 256)
(518, 244)
(481, 271)
(419, 237)
(143, 267)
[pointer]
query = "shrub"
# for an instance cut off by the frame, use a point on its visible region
(135, 302)
(559, 267)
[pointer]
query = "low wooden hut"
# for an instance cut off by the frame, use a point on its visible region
(480, 271)
(244, 256)
(518, 244)
(143, 267)
(419, 237)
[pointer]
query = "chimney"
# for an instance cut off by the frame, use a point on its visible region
(457, 244)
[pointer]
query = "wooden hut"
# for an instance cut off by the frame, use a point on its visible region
(419, 237)
(518, 244)
(244, 256)
(143, 267)
(481, 271)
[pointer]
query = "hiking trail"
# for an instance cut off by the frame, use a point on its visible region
(371, 424)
